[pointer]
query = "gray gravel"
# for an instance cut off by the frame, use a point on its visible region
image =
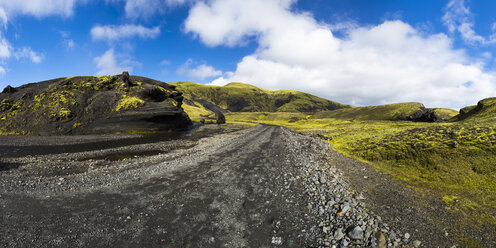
(259, 187)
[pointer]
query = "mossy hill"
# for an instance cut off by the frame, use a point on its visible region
(107, 104)
(484, 111)
(411, 111)
(203, 100)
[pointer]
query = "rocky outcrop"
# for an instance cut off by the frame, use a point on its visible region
(425, 115)
(107, 104)
(9, 90)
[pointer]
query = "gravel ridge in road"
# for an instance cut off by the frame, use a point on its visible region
(266, 186)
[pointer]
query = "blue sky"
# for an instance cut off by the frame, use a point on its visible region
(359, 52)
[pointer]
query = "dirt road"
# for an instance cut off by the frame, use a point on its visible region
(260, 187)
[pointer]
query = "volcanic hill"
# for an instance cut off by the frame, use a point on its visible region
(81, 105)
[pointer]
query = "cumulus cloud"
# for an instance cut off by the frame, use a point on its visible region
(7, 51)
(107, 64)
(458, 18)
(27, 52)
(390, 62)
(112, 32)
(201, 71)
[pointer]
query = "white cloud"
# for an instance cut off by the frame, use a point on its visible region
(3, 17)
(390, 62)
(2, 71)
(7, 51)
(27, 52)
(38, 8)
(459, 18)
(107, 64)
(201, 71)
(112, 32)
(5, 48)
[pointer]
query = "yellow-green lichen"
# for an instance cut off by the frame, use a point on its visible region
(128, 102)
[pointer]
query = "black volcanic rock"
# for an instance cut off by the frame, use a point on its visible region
(220, 118)
(107, 104)
(425, 115)
(9, 89)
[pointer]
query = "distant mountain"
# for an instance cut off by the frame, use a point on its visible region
(485, 110)
(203, 100)
(105, 104)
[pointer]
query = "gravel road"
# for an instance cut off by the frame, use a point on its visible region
(265, 186)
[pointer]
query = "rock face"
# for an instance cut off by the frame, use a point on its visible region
(425, 115)
(78, 105)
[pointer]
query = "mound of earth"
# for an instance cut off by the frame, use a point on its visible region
(204, 101)
(81, 105)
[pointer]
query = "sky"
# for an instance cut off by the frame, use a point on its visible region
(361, 52)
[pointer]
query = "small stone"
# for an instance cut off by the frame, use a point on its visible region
(323, 180)
(356, 233)
(277, 240)
(406, 236)
(344, 243)
(345, 209)
(455, 144)
(416, 243)
(338, 234)
(381, 240)
(129, 217)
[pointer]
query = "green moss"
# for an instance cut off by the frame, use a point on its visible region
(445, 113)
(398, 111)
(197, 112)
(65, 113)
(128, 102)
(485, 111)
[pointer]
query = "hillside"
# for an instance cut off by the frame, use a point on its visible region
(91, 105)
(400, 111)
(484, 111)
(203, 100)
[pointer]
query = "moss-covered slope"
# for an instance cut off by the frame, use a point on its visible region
(238, 97)
(399, 111)
(91, 105)
(484, 111)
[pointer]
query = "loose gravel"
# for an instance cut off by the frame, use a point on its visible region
(260, 187)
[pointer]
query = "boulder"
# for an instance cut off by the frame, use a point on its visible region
(220, 118)
(125, 78)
